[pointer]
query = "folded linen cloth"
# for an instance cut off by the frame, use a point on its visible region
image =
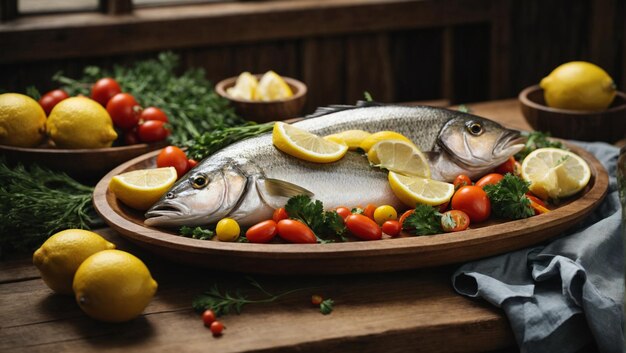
(565, 294)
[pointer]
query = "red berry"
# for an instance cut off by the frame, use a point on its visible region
(208, 317)
(217, 328)
(316, 299)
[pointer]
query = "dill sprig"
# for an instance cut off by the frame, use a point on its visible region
(210, 142)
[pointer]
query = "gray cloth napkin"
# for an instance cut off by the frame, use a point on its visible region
(560, 296)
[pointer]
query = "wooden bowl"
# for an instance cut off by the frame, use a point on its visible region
(266, 111)
(608, 125)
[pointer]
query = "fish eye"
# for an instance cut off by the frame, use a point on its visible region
(169, 195)
(199, 181)
(474, 128)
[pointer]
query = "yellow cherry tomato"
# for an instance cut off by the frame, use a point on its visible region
(227, 230)
(385, 213)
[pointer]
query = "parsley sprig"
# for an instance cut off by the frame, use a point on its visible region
(425, 220)
(327, 225)
(508, 198)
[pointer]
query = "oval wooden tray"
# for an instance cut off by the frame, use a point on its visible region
(349, 257)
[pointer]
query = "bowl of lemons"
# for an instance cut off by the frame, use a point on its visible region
(577, 100)
(263, 98)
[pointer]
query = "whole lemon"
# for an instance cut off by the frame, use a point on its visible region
(79, 122)
(113, 286)
(59, 257)
(22, 121)
(578, 85)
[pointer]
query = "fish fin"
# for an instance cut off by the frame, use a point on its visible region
(320, 111)
(277, 192)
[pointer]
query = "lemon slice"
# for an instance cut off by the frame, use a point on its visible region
(400, 157)
(555, 173)
(374, 138)
(412, 190)
(273, 87)
(352, 138)
(245, 87)
(305, 145)
(141, 189)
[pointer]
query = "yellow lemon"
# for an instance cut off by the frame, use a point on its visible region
(578, 85)
(245, 87)
(374, 138)
(555, 173)
(22, 121)
(113, 286)
(412, 190)
(140, 189)
(351, 138)
(399, 156)
(273, 87)
(79, 122)
(305, 145)
(59, 257)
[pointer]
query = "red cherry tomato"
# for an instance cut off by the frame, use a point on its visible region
(153, 113)
(363, 227)
(454, 221)
(216, 328)
(537, 204)
(295, 231)
(506, 167)
(172, 156)
(124, 110)
(131, 137)
(191, 163)
(262, 232)
(208, 317)
(461, 180)
(472, 200)
(368, 211)
(392, 228)
(343, 212)
(404, 216)
(489, 179)
(52, 98)
(316, 299)
(280, 214)
(104, 89)
(152, 131)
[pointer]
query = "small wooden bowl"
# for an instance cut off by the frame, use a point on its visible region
(608, 125)
(266, 111)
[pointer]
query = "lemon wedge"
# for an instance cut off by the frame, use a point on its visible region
(273, 87)
(374, 138)
(245, 87)
(399, 156)
(555, 173)
(141, 189)
(352, 138)
(412, 190)
(305, 145)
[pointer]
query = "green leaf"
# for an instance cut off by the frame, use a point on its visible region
(424, 220)
(508, 198)
(327, 306)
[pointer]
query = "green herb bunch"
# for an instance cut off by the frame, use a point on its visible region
(327, 225)
(508, 198)
(425, 220)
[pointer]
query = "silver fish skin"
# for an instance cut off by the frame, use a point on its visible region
(249, 179)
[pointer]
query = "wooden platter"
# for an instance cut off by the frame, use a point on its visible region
(487, 239)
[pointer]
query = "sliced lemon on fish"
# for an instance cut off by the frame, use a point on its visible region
(352, 138)
(305, 145)
(399, 156)
(273, 87)
(140, 189)
(245, 87)
(374, 138)
(412, 190)
(555, 173)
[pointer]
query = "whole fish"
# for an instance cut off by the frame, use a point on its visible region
(249, 179)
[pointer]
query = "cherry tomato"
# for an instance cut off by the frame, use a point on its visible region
(131, 137)
(392, 228)
(506, 167)
(227, 229)
(537, 204)
(191, 163)
(152, 131)
(208, 316)
(52, 98)
(404, 216)
(153, 113)
(262, 232)
(472, 200)
(124, 110)
(461, 180)
(216, 328)
(384, 213)
(363, 227)
(295, 231)
(280, 214)
(104, 89)
(343, 212)
(489, 179)
(368, 211)
(316, 299)
(454, 221)
(172, 156)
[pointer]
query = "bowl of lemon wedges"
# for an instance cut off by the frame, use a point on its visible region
(577, 100)
(263, 98)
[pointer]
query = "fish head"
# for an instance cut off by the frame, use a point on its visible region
(478, 144)
(203, 196)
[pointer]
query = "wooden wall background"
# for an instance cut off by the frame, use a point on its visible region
(459, 50)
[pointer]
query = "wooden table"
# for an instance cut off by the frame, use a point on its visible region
(394, 312)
